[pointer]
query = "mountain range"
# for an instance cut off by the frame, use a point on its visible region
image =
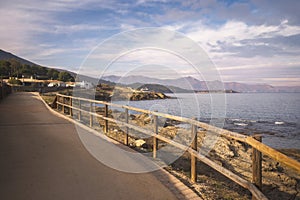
(180, 84)
(191, 83)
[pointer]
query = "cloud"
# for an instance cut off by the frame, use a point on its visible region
(239, 36)
(235, 44)
(275, 10)
(235, 31)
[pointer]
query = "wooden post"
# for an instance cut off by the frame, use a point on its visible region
(105, 121)
(91, 116)
(63, 106)
(54, 104)
(257, 166)
(2, 89)
(126, 128)
(79, 113)
(193, 158)
(70, 109)
(155, 140)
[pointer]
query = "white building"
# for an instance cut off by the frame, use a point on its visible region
(53, 84)
(57, 84)
(84, 84)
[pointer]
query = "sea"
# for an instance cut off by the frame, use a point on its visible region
(276, 116)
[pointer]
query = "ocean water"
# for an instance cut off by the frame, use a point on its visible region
(274, 115)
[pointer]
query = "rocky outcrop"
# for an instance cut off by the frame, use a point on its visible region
(137, 96)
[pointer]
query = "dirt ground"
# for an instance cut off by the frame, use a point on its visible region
(279, 182)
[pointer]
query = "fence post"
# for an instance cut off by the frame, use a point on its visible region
(105, 121)
(70, 108)
(54, 104)
(79, 113)
(257, 165)
(91, 116)
(193, 158)
(126, 128)
(2, 89)
(63, 106)
(155, 140)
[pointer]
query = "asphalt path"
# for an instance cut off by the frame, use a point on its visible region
(42, 157)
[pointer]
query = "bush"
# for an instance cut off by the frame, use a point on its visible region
(14, 82)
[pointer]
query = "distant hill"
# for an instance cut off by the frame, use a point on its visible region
(191, 83)
(163, 89)
(14, 66)
(6, 56)
(9, 56)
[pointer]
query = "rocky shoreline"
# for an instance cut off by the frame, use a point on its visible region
(279, 182)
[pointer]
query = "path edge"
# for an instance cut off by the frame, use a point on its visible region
(178, 188)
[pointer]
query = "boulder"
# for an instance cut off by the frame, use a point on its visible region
(140, 143)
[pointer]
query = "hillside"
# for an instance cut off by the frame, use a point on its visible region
(9, 56)
(12, 65)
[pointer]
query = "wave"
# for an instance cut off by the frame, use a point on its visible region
(238, 120)
(240, 124)
(279, 123)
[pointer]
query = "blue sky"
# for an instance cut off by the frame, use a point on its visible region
(252, 41)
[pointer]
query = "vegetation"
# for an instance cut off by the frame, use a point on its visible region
(15, 82)
(65, 76)
(163, 89)
(13, 68)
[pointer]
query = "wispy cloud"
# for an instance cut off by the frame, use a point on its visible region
(241, 37)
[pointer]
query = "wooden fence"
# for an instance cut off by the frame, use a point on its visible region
(65, 103)
(4, 90)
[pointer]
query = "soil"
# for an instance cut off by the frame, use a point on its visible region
(279, 182)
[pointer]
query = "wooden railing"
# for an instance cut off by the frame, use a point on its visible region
(258, 147)
(4, 90)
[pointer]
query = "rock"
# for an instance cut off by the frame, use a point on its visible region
(161, 95)
(136, 96)
(140, 143)
(143, 119)
(132, 117)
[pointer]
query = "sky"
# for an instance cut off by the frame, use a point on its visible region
(250, 41)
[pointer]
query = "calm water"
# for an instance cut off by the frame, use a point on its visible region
(275, 115)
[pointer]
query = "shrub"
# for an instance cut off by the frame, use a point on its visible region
(14, 82)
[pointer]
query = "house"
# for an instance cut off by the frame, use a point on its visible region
(70, 84)
(62, 84)
(57, 84)
(53, 84)
(84, 84)
(32, 82)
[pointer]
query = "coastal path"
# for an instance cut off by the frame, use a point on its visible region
(42, 157)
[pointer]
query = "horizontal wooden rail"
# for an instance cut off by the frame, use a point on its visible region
(225, 133)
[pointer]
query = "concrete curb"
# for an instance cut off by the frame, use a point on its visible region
(178, 188)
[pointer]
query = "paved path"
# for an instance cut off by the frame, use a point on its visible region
(41, 157)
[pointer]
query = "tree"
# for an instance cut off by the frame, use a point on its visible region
(15, 66)
(26, 70)
(65, 77)
(14, 81)
(52, 74)
(4, 68)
